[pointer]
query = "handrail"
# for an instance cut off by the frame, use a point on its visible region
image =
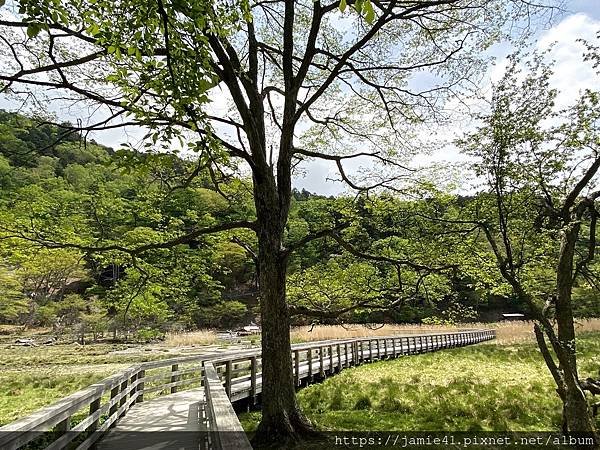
(241, 378)
(226, 432)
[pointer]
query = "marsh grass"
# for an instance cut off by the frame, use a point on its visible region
(34, 377)
(488, 387)
(191, 338)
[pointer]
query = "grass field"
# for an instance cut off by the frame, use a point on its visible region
(493, 386)
(32, 377)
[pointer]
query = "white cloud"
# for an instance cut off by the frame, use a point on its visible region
(571, 74)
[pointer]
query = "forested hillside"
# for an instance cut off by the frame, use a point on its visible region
(398, 261)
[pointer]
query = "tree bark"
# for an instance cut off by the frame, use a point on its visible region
(577, 414)
(282, 421)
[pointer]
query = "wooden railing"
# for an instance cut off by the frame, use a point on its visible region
(226, 432)
(81, 418)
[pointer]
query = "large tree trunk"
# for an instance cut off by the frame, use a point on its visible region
(576, 412)
(282, 419)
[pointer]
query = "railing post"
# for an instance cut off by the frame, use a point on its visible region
(321, 364)
(346, 362)
(385, 349)
(394, 347)
(330, 359)
(140, 387)
(370, 351)
(124, 385)
(350, 354)
(113, 409)
(253, 379)
(297, 366)
(95, 406)
(65, 425)
(228, 378)
(339, 355)
(174, 378)
(310, 365)
(378, 349)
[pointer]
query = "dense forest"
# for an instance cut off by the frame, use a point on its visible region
(398, 258)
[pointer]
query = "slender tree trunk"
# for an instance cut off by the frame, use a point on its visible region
(282, 419)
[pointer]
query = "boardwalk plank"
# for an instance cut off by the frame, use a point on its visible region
(169, 422)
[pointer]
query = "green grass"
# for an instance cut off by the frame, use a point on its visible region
(488, 387)
(33, 377)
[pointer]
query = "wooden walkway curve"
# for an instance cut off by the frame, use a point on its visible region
(186, 403)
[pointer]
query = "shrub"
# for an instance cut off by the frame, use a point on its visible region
(363, 402)
(336, 402)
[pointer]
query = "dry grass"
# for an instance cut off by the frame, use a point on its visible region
(514, 332)
(324, 332)
(191, 338)
(509, 332)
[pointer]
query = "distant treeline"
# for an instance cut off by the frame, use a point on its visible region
(62, 196)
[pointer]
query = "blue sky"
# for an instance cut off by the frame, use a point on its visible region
(589, 7)
(580, 20)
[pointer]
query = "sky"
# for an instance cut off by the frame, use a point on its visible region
(580, 21)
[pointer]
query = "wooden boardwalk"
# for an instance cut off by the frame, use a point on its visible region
(174, 421)
(194, 395)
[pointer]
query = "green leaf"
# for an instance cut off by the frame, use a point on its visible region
(33, 30)
(370, 13)
(343, 5)
(93, 29)
(358, 5)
